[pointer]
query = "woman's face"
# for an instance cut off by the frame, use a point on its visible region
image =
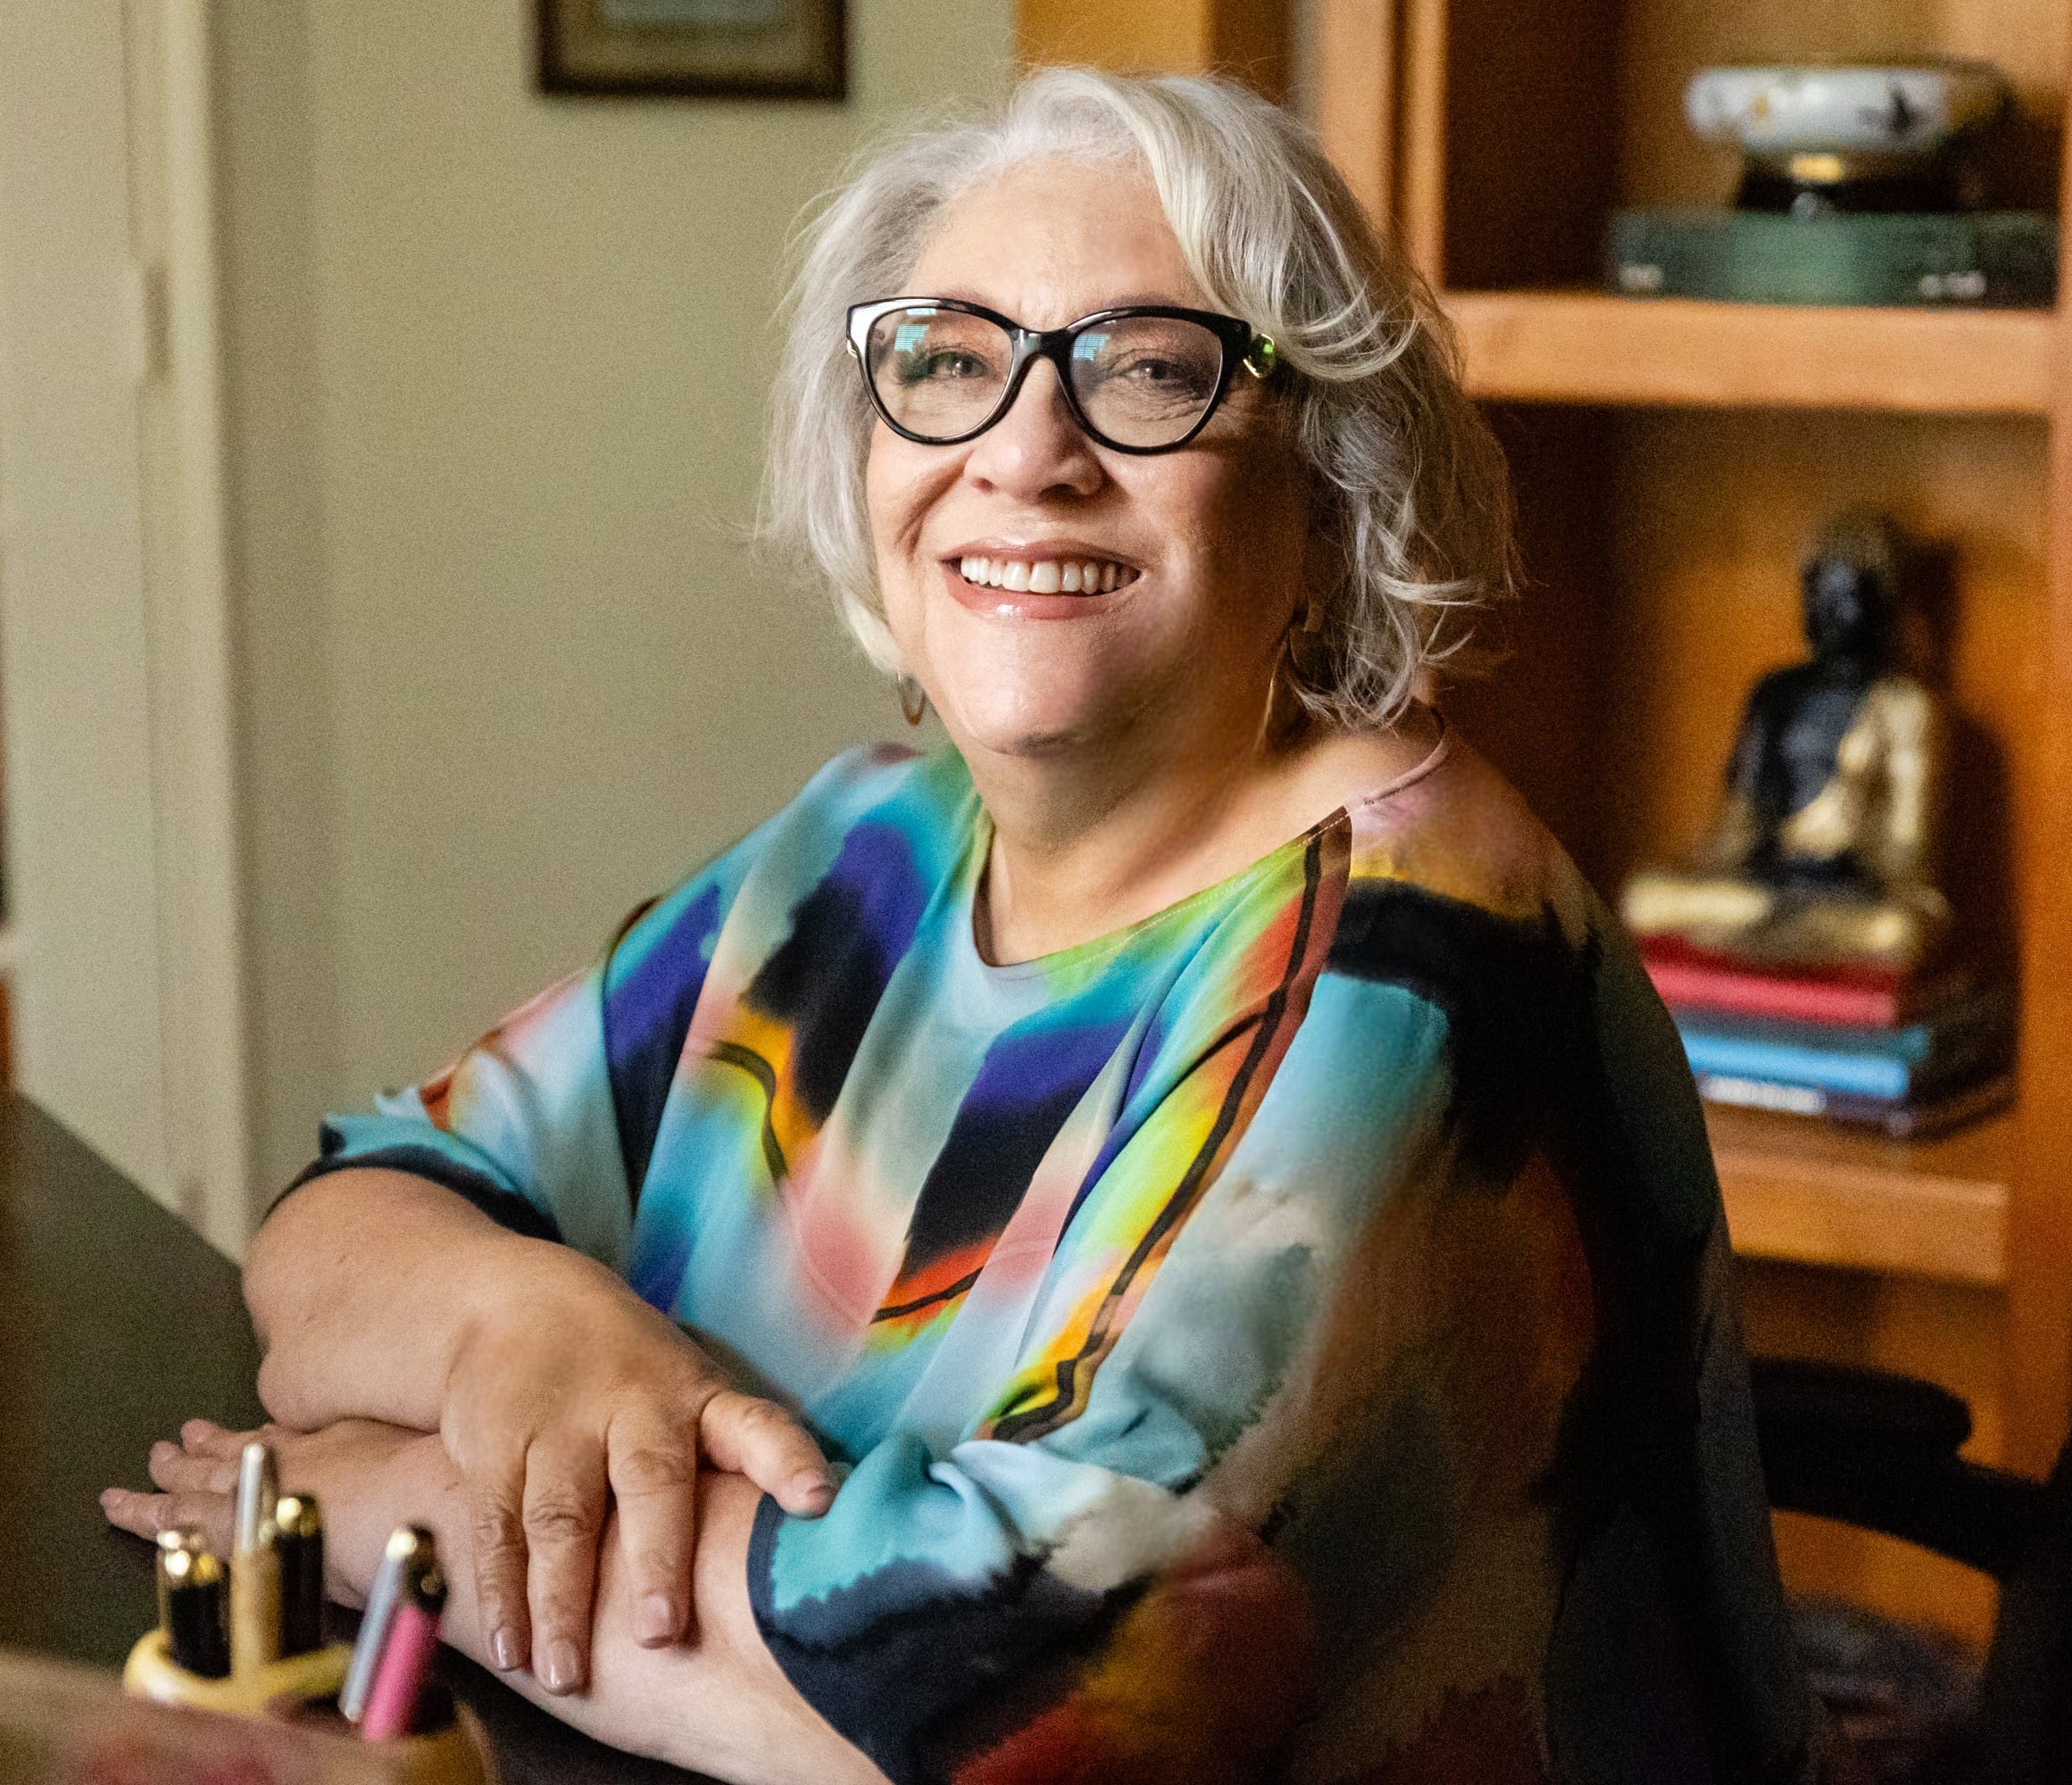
(1209, 541)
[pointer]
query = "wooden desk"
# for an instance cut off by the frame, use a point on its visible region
(116, 1324)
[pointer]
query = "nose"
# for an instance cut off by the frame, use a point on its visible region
(1036, 449)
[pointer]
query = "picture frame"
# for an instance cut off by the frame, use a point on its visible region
(769, 49)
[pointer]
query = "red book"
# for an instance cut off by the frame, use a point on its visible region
(1840, 997)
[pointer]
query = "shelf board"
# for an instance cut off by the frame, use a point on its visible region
(1593, 347)
(1801, 1191)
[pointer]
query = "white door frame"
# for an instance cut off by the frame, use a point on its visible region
(192, 688)
(109, 809)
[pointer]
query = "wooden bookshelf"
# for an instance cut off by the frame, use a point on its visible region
(1672, 458)
(1806, 1194)
(1591, 348)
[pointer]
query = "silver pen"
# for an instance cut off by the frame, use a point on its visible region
(405, 1541)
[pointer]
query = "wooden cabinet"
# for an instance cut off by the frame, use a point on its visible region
(1672, 458)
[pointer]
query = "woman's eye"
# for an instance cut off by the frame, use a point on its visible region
(941, 367)
(1153, 372)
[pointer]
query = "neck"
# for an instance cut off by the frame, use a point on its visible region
(1087, 841)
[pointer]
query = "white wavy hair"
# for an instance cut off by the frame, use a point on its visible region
(1411, 500)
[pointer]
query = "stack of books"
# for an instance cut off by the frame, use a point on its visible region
(1909, 1054)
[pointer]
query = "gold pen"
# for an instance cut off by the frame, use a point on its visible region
(255, 1564)
(190, 1604)
(301, 1549)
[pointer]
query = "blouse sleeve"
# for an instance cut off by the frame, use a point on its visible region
(547, 1122)
(1083, 1586)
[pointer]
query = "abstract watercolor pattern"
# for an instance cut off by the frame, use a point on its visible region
(1291, 1337)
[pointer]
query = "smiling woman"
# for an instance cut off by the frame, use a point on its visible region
(1166, 1240)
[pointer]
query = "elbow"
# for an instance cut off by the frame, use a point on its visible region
(287, 1392)
(275, 1284)
(268, 1273)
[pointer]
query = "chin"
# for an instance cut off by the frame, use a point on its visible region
(1010, 722)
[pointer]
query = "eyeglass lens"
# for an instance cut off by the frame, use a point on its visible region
(1140, 380)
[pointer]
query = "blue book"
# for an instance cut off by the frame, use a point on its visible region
(1974, 1036)
(1907, 1121)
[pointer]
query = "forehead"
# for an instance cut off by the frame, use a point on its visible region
(1049, 241)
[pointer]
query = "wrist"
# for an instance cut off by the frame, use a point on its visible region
(508, 1285)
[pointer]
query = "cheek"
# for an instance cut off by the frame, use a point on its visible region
(901, 483)
(1239, 528)
(880, 500)
(900, 489)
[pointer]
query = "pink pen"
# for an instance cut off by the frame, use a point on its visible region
(405, 1661)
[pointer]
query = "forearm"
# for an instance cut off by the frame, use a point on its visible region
(719, 1705)
(359, 1285)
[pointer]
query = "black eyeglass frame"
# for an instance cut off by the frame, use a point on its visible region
(1242, 344)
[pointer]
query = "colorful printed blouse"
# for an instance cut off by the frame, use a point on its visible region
(1290, 1337)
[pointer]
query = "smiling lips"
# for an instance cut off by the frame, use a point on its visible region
(1047, 575)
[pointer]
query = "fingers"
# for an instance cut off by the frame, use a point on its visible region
(199, 1481)
(758, 1439)
(147, 1515)
(179, 1471)
(652, 1468)
(564, 1522)
(206, 1438)
(500, 1567)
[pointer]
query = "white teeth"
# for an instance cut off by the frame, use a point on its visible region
(1046, 575)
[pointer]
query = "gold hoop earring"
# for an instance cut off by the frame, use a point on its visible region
(1272, 716)
(913, 700)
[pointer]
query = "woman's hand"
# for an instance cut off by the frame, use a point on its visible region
(346, 1467)
(553, 1386)
(723, 1707)
(570, 1392)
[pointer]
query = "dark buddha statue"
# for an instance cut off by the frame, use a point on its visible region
(1823, 853)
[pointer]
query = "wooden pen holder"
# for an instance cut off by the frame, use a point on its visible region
(295, 1692)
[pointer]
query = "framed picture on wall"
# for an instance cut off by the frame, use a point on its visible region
(792, 49)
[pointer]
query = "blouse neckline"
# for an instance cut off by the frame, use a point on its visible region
(1098, 951)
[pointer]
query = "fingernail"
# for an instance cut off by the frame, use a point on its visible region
(561, 1666)
(812, 1490)
(658, 1618)
(503, 1650)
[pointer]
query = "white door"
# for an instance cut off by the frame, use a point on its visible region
(114, 707)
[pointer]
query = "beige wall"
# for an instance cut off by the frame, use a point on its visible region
(497, 367)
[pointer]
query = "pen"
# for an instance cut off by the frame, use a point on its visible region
(190, 1604)
(301, 1546)
(406, 1656)
(404, 1543)
(258, 1488)
(255, 1564)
